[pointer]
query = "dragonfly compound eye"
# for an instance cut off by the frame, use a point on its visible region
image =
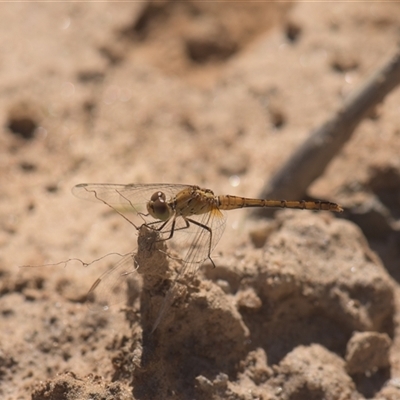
(158, 206)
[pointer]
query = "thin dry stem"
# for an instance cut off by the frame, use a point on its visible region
(311, 159)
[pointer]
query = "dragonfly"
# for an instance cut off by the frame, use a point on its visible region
(193, 215)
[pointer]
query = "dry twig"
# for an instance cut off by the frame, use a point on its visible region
(311, 159)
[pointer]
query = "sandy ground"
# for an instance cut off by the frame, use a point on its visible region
(304, 306)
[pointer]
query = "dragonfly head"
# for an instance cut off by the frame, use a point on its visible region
(158, 207)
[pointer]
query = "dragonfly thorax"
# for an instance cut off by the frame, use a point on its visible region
(158, 207)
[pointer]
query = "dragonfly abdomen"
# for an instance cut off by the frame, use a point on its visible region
(228, 202)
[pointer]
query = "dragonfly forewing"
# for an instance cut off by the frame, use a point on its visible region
(130, 195)
(111, 288)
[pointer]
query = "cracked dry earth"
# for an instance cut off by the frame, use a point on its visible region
(301, 306)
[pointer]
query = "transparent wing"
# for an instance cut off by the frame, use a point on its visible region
(134, 196)
(200, 239)
(112, 287)
(127, 199)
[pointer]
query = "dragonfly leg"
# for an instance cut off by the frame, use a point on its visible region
(172, 230)
(142, 215)
(157, 229)
(209, 230)
(161, 227)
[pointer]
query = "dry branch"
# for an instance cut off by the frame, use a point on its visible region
(313, 156)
